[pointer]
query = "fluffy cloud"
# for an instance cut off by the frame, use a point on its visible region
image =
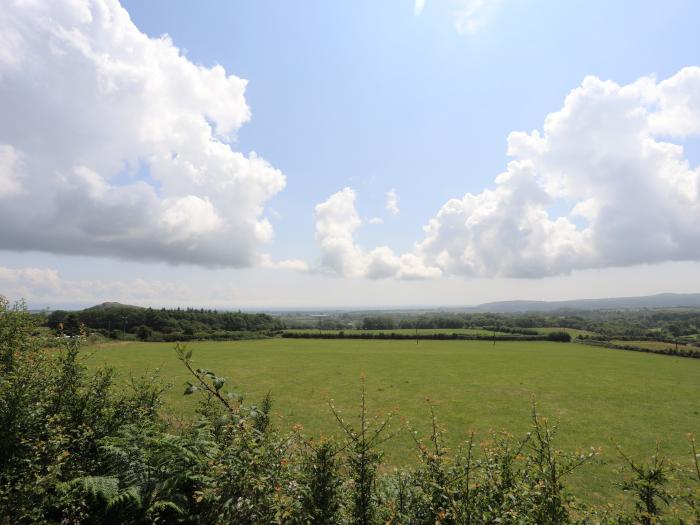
(113, 143)
(337, 221)
(629, 195)
(392, 202)
(679, 101)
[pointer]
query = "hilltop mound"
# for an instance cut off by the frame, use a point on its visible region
(111, 305)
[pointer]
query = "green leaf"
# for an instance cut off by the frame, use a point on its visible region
(190, 390)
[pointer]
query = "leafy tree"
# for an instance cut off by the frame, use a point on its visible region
(144, 332)
(378, 323)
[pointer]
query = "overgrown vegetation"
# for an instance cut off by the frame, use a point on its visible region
(76, 447)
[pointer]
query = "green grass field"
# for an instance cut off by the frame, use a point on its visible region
(596, 394)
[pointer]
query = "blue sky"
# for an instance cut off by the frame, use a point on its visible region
(373, 96)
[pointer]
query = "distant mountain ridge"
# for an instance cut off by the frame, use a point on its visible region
(663, 300)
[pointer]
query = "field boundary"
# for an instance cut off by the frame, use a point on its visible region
(681, 352)
(554, 336)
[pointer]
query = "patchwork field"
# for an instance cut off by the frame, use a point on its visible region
(597, 395)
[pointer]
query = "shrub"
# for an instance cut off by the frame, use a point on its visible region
(144, 332)
(563, 337)
(53, 416)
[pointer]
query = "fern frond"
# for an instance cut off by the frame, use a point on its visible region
(162, 505)
(103, 487)
(127, 497)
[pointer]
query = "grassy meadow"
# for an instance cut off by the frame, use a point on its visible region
(595, 394)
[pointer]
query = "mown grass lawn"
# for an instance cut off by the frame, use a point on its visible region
(597, 395)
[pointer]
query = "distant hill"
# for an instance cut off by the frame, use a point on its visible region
(664, 300)
(118, 320)
(110, 306)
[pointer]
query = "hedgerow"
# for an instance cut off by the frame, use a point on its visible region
(553, 336)
(683, 351)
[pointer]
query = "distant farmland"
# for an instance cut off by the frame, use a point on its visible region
(596, 394)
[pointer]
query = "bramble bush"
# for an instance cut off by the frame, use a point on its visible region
(78, 447)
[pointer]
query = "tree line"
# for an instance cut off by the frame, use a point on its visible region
(118, 321)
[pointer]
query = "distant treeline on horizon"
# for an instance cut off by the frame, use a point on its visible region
(117, 321)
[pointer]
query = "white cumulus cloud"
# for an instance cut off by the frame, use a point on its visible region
(629, 195)
(113, 143)
(392, 202)
(337, 221)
